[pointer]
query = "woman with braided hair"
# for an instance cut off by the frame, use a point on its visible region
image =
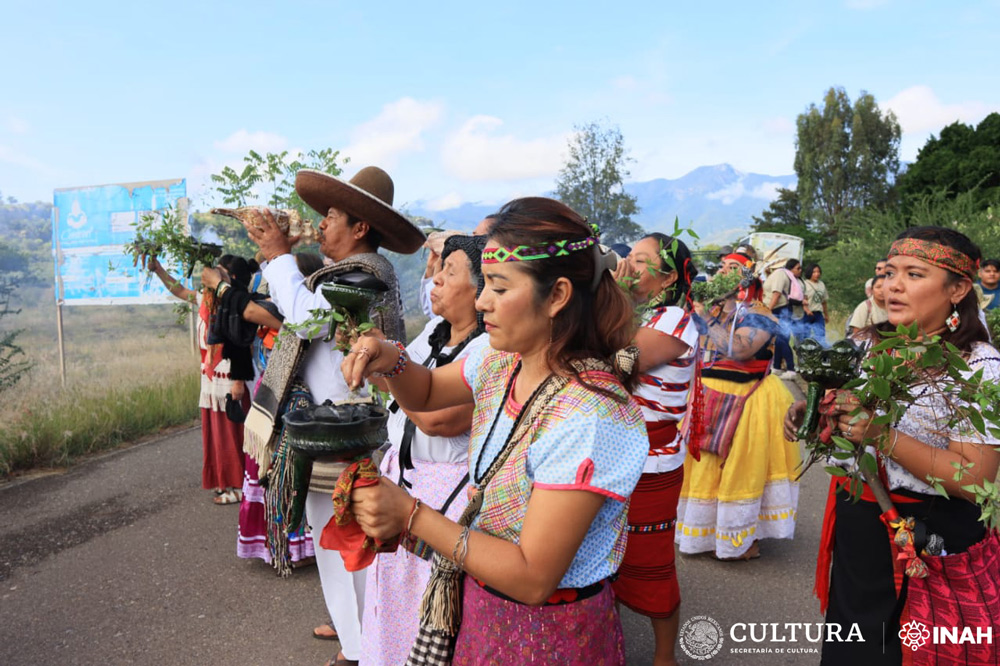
(661, 274)
(557, 446)
(429, 454)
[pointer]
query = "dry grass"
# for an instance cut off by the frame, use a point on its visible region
(130, 371)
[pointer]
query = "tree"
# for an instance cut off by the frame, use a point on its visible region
(14, 363)
(591, 182)
(846, 158)
(784, 216)
(962, 159)
(266, 180)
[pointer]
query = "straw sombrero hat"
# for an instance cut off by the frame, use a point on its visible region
(368, 196)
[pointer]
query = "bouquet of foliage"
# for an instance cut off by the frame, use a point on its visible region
(163, 234)
(898, 370)
(717, 288)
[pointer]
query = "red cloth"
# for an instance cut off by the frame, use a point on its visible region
(647, 578)
(961, 590)
(343, 532)
(222, 449)
(662, 436)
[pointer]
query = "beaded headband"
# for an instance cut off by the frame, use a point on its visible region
(936, 254)
(531, 252)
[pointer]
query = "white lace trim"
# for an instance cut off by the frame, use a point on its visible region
(729, 528)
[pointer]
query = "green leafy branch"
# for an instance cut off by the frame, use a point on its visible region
(331, 319)
(901, 369)
(164, 234)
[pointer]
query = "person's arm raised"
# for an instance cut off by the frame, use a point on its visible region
(657, 348)
(174, 286)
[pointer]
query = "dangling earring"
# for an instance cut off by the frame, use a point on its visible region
(552, 322)
(954, 321)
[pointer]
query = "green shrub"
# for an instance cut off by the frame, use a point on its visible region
(79, 422)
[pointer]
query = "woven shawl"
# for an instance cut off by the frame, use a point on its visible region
(261, 429)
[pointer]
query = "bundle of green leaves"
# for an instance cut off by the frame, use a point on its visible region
(164, 234)
(898, 370)
(716, 288)
(332, 318)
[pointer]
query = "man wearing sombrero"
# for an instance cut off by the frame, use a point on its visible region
(359, 219)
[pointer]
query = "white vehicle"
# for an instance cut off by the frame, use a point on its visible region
(775, 249)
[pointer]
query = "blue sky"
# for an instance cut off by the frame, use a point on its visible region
(463, 101)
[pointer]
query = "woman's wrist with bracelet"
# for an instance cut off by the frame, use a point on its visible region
(401, 361)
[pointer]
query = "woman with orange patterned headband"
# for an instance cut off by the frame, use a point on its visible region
(556, 449)
(928, 282)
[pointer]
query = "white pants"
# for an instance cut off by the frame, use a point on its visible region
(344, 591)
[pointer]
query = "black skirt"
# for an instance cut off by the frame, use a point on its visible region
(862, 586)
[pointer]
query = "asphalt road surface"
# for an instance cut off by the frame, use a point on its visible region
(124, 560)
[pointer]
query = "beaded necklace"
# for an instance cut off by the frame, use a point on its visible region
(478, 478)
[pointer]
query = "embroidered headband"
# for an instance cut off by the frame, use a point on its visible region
(532, 252)
(936, 254)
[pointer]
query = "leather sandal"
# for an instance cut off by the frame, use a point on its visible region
(325, 632)
(231, 496)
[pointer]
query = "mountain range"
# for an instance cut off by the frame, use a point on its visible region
(716, 201)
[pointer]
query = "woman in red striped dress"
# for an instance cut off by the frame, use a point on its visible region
(661, 274)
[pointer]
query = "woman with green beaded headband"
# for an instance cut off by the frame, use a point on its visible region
(557, 447)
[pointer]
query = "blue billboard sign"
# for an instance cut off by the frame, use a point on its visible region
(90, 225)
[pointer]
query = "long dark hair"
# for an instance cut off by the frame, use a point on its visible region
(594, 324)
(683, 264)
(970, 330)
(240, 272)
(807, 272)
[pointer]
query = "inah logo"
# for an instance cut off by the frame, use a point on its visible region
(914, 634)
(701, 637)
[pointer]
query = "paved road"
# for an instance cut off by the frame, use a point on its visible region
(124, 560)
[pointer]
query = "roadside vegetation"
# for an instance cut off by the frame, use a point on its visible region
(130, 372)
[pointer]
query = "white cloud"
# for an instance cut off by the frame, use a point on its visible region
(727, 195)
(242, 142)
(445, 202)
(16, 125)
(477, 152)
(766, 191)
(918, 109)
(10, 156)
(397, 129)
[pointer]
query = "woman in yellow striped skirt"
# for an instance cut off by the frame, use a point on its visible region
(739, 484)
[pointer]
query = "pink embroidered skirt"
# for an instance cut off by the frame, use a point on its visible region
(501, 632)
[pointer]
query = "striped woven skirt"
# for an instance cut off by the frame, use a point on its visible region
(252, 537)
(647, 578)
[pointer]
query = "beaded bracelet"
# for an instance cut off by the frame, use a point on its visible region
(221, 288)
(400, 362)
